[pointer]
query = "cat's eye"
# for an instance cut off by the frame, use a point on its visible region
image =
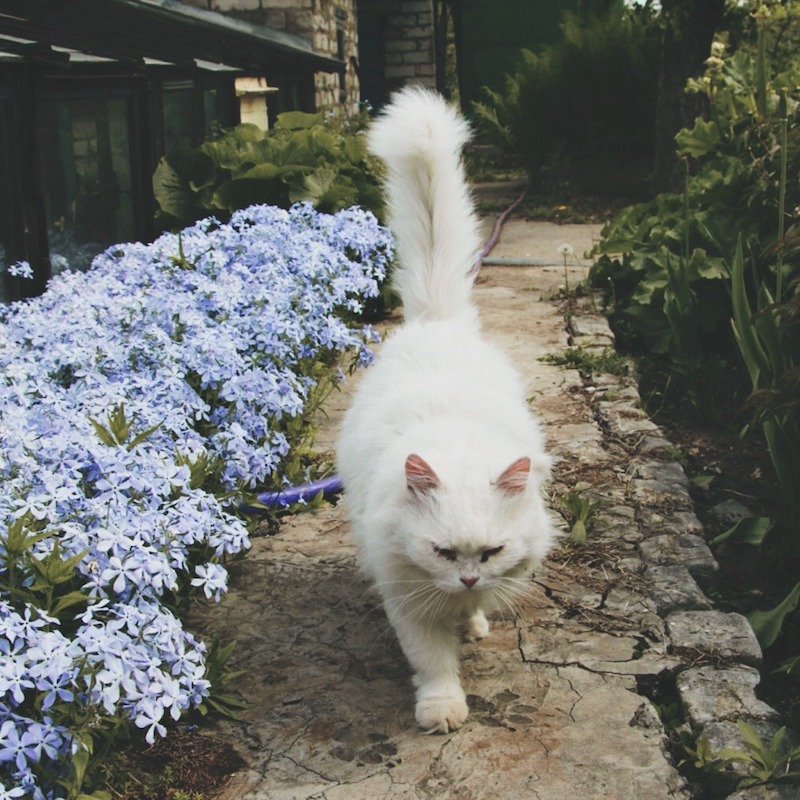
(445, 552)
(487, 554)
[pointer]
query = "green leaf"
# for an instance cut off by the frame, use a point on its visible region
(702, 139)
(103, 433)
(750, 530)
(703, 481)
(235, 194)
(753, 354)
(577, 533)
(297, 120)
(67, 601)
(172, 193)
(143, 435)
(767, 624)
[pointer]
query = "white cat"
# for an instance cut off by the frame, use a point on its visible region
(441, 460)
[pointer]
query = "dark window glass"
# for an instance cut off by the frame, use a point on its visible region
(179, 117)
(88, 192)
(5, 183)
(211, 121)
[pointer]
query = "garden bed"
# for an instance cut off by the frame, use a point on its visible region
(140, 402)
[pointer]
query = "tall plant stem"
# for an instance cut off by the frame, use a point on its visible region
(784, 114)
(761, 68)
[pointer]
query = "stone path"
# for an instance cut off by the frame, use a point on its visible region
(558, 692)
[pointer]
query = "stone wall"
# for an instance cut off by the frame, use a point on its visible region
(410, 55)
(330, 26)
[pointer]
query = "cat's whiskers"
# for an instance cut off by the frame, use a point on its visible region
(426, 605)
(511, 592)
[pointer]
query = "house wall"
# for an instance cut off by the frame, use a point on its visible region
(330, 25)
(410, 55)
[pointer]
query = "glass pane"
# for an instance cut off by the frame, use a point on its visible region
(5, 183)
(178, 118)
(211, 124)
(88, 192)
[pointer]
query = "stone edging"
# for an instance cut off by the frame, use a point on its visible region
(718, 652)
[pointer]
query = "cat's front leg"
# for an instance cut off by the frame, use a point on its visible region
(477, 627)
(433, 648)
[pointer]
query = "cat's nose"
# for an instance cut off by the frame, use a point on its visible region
(470, 582)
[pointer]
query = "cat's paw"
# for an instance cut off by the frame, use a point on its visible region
(477, 627)
(442, 712)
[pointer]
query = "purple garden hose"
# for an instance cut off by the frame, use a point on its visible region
(294, 494)
(498, 224)
(333, 484)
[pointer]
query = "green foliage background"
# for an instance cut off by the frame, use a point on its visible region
(590, 95)
(304, 157)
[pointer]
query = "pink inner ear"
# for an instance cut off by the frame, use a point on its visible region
(515, 478)
(420, 477)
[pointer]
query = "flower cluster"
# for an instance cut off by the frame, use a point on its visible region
(137, 400)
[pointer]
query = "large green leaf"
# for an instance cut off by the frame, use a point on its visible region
(750, 530)
(269, 172)
(172, 193)
(297, 120)
(235, 194)
(767, 624)
(702, 139)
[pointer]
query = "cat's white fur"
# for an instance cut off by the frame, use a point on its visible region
(441, 459)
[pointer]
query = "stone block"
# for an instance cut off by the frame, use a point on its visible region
(400, 71)
(728, 513)
(683, 549)
(660, 493)
(657, 470)
(417, 57)
(712, 695)
(715, 633)
(723, 736)
(655, 445)
(779, 791)
(674, 522)
(624, 420)
(674, 589)
(590, 325)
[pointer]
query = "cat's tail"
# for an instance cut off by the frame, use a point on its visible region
(430, 209)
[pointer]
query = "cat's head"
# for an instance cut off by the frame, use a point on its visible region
(472, 532)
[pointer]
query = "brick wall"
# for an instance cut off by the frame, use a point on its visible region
(410, 56)
(330, 26)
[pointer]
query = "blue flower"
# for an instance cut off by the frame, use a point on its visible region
(208, 368)
(18, 749)
(213, 578)
(21, 269)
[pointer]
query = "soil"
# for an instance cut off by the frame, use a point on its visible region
(186, 765)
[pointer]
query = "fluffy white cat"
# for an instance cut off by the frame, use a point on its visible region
(441, 459)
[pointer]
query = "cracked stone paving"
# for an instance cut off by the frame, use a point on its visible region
(555, 692)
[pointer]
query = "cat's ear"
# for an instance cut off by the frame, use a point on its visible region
(515, 478)
(420, 476)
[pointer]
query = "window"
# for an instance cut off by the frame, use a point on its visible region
(179, 117)
(5, 217)
(88, 187)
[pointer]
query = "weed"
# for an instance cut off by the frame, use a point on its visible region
(588, 362)
(581, 512)
(759, 763)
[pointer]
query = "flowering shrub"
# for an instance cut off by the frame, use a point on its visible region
(138, 401)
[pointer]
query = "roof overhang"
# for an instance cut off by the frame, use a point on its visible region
(161, 30)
